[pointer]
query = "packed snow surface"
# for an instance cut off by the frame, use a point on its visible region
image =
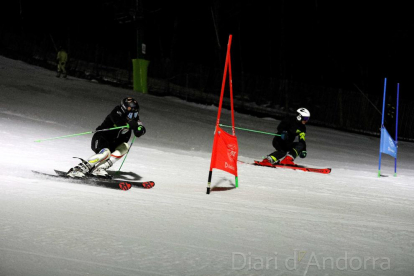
(277, 222)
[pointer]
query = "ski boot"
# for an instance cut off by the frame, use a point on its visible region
(272, 160)
(268, 161)
(80, 170)
(100, 171)
(288, 160)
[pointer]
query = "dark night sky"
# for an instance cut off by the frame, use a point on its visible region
(333, 43)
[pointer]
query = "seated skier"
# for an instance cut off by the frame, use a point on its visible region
(111, 145)
(286, 147)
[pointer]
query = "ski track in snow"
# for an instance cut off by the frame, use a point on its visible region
(278, 222)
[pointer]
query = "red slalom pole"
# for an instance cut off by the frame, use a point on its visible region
(223, 84)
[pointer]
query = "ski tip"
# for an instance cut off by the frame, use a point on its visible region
(125, 186)
(148, 184)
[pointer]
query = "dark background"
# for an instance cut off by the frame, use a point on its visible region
(336, 43)
(343, 44)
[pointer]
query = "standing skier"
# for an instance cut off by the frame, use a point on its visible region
(110, 146)
(62, 58)
(286, 147)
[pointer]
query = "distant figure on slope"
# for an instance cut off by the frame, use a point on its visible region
(286, 147)
(62, 58)
(111, 145)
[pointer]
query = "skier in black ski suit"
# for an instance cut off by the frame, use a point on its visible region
(286, 147)
(111, 145)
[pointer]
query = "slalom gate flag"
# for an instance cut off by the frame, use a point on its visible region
(387, 144)
(225, 152)
(225, 148)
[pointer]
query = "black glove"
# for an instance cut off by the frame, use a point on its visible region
(284, 136)
(140, 131)
(133, 124)
(137, 127)
(303, 154)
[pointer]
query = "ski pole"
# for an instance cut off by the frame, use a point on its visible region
(83, 133)
(246, 129)
(126, 155)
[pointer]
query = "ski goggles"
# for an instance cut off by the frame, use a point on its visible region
(305, 118)
(132, 115)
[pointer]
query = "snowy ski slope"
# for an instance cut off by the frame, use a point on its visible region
(278, 222)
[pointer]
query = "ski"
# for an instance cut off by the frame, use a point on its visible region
(121, 184)
(295, 167)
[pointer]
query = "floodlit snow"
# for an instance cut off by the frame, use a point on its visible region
(278, 222)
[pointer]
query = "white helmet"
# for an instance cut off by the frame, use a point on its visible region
(303, 114)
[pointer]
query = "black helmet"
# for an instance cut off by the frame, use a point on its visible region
(130, 107)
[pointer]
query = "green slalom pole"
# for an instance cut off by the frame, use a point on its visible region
(126, 155)
(83, 133)
(251, 130)
(246, 129)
